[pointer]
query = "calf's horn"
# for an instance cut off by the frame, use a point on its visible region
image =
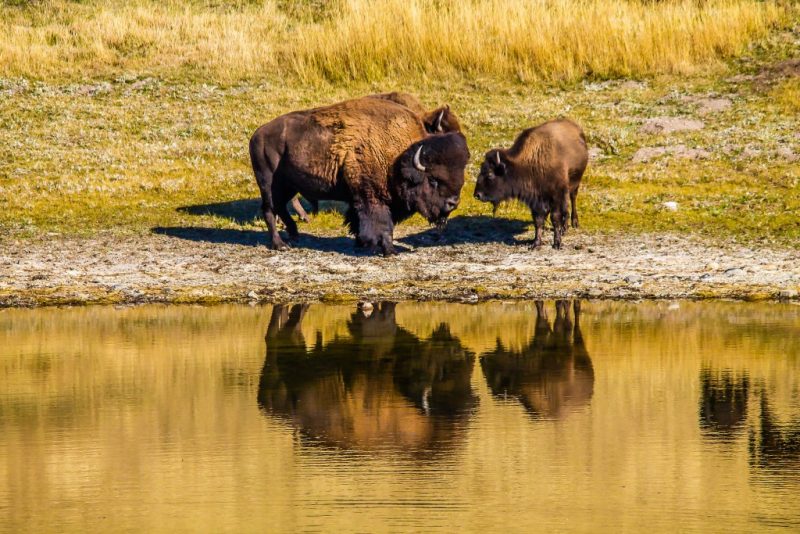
(417, 164)
(498, 157)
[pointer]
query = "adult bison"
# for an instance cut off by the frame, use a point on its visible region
(543, 168)
(372, 153)
(375, 386)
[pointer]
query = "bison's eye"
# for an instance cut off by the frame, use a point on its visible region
(434, 182)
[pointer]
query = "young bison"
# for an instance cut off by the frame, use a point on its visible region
(542, 169)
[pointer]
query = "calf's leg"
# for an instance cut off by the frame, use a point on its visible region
(573, 200)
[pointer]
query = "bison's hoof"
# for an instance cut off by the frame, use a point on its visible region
(280, 245)
(557, 246)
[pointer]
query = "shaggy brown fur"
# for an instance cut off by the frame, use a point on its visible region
(439, 120)
(543, 168)
(361, 152)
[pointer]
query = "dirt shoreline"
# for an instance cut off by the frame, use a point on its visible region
(184, 265)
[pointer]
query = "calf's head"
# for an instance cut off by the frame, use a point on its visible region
(492, 185)
(431, 174)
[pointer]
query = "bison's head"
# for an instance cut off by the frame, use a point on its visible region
(431, 175)
(441, 120)
(492, 179)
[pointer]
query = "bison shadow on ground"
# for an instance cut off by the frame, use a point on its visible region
(253, 238)
(460, 229)
(244, 211)
(469, 229)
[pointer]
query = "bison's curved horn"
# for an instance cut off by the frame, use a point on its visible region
(439, 121)
(417, 164)
(498, 157)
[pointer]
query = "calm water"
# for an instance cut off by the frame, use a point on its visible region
(609, 416)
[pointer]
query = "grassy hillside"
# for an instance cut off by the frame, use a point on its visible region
(124, 116)
(362, 40)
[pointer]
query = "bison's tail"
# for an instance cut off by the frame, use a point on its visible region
(261, 168)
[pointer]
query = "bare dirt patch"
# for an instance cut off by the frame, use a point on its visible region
(206, 265)
(667, 125)
(680, 151)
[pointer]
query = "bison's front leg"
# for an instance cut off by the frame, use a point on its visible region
(539, 212)
(375, 228)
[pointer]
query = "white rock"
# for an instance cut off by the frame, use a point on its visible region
(670, 205)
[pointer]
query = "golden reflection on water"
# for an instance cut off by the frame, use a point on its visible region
(516, 416)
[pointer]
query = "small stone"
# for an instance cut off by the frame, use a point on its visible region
(735, 271)
(713, 266)
(252, 295)
(633, 278)
(788, 294)
(670, 205)
(595, 153)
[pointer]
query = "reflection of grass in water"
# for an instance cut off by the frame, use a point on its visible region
(161, 393)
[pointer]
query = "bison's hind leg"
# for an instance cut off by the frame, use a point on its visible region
(573, 200)
(558, 216)
(265, 161)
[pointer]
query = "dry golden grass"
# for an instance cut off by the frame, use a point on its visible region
(364, 41)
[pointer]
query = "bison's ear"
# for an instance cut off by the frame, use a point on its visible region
(498, 165)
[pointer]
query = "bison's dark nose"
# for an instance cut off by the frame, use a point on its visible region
(451, 203)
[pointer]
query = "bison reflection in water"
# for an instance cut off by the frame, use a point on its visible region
(774, 444)
(379, 386)
(553, 374)
(723, 403)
